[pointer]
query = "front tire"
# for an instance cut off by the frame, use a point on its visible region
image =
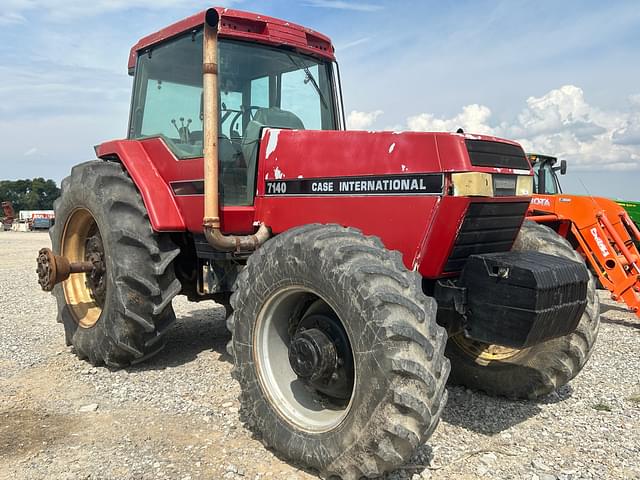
(394, 391)
(119, 317)
(535, 371)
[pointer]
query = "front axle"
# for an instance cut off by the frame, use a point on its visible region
(53, 269)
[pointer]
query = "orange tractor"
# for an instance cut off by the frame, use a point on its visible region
(598, 228)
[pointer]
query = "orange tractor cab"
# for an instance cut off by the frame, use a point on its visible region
(598, 228)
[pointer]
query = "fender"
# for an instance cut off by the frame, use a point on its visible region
(161, 205)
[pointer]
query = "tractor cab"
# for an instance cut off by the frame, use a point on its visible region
(260, 85)
(545, 177)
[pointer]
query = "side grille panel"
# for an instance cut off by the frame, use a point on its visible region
(487, 228)
(484, 153)
(489, 223)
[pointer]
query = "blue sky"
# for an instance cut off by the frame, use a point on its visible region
(561, 77)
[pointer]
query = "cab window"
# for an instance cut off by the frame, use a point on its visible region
(259, 86)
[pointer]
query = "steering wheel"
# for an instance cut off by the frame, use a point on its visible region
(250, 108)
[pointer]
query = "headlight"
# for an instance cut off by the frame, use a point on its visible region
(472, 184)
(524, 185)
(479, 184)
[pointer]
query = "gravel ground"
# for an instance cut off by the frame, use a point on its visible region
(176, 416)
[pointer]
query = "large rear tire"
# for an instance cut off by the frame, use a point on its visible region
(538, 370)
(390, 374)
(119, 317)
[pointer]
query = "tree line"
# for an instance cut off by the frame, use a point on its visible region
(34, 194)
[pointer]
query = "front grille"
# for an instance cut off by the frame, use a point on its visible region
(484, 153)
(487, 228)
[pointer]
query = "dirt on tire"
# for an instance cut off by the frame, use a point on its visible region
(398, 349)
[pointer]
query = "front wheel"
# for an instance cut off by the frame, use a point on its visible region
(540, 369)
(337, 351)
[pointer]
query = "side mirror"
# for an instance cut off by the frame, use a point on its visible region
(563, 167)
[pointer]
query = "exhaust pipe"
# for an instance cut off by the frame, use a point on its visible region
(211, 221)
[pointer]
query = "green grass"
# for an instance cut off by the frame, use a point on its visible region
(633, 209)
(601, 407)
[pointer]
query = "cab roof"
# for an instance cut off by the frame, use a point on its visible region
(244, 26)
(536, 157)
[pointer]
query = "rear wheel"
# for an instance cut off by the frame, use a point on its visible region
(538, 370)
(337, 351)
(117, 314)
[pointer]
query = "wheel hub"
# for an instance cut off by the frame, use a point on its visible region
(53, 269)
(94, 253)
(312, 355)
(320, 355)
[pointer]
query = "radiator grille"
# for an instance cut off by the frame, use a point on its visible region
(484, 153)
(487, 228)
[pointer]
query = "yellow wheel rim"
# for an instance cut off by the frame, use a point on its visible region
(485, 353)
(79, 296)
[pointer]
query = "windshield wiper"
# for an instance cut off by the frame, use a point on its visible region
(310, 78)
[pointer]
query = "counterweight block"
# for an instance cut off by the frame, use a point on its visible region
(519, 299)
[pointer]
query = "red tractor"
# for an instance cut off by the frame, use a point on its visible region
(9, 215)
(358, 268)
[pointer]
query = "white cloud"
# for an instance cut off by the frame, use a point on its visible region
(62, 10)
(473, 118)
(44, 91)
(560, 110)
(344, 5)
(560, 123)
(362, 120)
(629, 132)
(9, 18)
(353, 43)
(51, 145)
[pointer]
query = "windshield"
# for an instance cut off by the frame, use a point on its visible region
(259, 86)
(545, 181)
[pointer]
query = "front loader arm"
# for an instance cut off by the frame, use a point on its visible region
(614, 258)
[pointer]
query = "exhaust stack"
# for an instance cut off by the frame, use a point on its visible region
(211, 221)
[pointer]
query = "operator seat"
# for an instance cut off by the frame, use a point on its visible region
(273, 117)
(233, 172)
